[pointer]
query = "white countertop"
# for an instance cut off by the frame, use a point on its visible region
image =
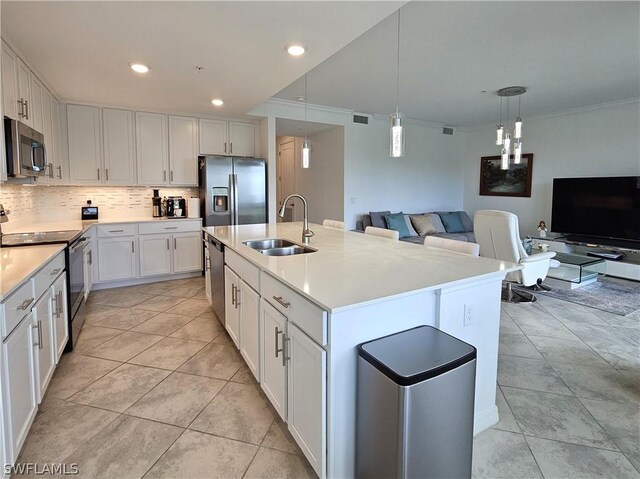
(18, 264)
(84, 225)
(351, 269)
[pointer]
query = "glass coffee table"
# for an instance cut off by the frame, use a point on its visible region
(575, 270)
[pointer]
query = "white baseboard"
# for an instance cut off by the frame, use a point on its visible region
(150, 279)
(485, 419)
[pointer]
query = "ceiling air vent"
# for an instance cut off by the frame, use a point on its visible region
(362, 119)
(447, 130)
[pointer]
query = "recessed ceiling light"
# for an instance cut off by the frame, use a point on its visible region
(139, 67)
(217, 102)
(299, 98)
(296, 50)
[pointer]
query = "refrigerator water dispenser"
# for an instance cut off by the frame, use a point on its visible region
(220, 199)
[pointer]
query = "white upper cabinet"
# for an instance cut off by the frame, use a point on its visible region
(219, 137)
(83, 123)
(10, 84)
(183, 151)
(35, 110)
(119, 147)
(24, 93)
(213, 137)
(241, 139)
(151, 147)
(47, 131)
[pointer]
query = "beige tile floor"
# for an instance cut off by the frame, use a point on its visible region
(156, 389)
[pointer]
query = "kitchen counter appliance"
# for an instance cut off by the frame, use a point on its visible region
(74, 265)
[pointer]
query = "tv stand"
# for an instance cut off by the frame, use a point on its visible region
(628, 267)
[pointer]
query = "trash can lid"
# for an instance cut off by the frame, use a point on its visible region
(417, 354)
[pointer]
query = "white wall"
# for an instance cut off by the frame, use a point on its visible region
(603, 141)
(429, 177)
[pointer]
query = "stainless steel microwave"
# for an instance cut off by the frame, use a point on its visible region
(26, 156)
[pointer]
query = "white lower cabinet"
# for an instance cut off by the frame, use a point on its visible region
(19, 386)
(60, 312)
(231, 311)
(273, 376)
(44, 343)
(187, 252)
(249, 303)
(307, 391)
(155, 255)
(117, 258)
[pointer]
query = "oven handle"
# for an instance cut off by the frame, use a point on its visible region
(77, 243)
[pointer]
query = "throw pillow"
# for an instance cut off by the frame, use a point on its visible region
(437, 222)
(452, 222)
(377, 218)
(423, 224)
(396, 222)
(466, 221)
(412, 231)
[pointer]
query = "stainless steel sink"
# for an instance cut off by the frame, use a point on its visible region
(278, 247)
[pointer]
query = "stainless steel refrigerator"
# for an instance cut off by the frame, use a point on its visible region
(233, 190)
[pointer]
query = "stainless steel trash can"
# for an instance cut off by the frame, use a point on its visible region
(415, 406)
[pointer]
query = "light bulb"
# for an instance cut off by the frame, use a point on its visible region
(139, 67)
(499, 135)
(296, 50)
(396, 148)
(517, 131)
(517, 152)
(504, 163)
(306, 152)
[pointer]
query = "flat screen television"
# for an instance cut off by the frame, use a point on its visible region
(607, 207)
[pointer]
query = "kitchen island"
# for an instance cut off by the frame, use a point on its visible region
(297, 321)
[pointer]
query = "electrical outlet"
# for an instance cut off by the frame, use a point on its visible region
(468, 315)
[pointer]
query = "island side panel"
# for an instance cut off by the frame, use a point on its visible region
(347, 330)
(483, 332)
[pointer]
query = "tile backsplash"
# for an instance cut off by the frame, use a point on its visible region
(62, 203)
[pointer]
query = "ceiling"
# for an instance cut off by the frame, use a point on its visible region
(82, 49)
(286, 127)
(455, 55)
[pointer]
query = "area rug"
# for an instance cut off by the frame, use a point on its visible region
(617, 296)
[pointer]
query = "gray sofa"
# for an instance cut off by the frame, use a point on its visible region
(461, 231)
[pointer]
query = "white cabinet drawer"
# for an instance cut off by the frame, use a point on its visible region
(249, 273)
(309, 317)
(47, 275)
(107, 231)
(16, 307)
(175, 226)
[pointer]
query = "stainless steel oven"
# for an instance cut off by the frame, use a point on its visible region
(26, 155)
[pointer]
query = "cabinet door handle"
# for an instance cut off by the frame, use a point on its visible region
(233, 294)
(56, 271)
(225, 146)
(50, 166)
(106, 171)
(133, 247)
(54, 300)
(237, 297)
(167, 244)
(59, 171)
(285, 356)
(171, 227)
(171, 175)
(116, 231)
(98, 173)
(175, 243)
(164, 175)
(26, 109)
(278, 333)
(90, 257)
(281, 301)
(38, 326)
(231, 147)
(20, 114)
(25, 304)
(60, 303)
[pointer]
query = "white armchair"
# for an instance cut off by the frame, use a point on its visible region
(498, 234)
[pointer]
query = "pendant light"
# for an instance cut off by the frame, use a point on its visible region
(396, 140)
(306, 144)
(503, 135)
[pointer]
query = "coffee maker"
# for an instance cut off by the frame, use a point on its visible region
(176, 207)
(156, 201)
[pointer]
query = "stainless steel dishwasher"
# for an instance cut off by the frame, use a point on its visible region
(216, 271)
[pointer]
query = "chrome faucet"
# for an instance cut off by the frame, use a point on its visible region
(306, 232)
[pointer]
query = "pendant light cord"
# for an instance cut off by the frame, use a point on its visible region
(305, 106)
(398, 66)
